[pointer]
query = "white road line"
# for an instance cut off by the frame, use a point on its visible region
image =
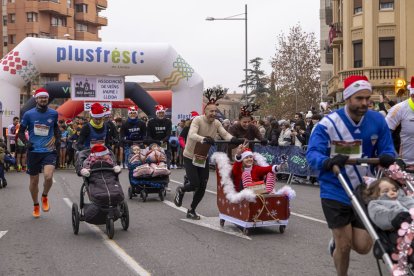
(2, 233)
(209, 222)
(292, 213)
(115, 248)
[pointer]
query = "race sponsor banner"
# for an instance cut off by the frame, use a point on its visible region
(87, 105)
(97, 88)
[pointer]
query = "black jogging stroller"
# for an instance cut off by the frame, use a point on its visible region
(106, 198)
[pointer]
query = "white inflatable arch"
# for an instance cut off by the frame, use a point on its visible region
(36, 55)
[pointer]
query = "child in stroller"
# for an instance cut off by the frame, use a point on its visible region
(148, 172)
(101, 184)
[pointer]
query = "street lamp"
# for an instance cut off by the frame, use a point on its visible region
(234, 17)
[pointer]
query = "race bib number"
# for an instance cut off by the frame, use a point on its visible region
(352, 149)
(41, 130)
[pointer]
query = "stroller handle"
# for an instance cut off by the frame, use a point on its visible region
(229, 142)
(102, 169)
(359, 161)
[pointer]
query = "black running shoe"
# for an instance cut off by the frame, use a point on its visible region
(4, 182)
(331, 247)
(191, 214)
(179, 195)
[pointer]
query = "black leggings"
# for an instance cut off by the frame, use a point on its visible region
(197, 180)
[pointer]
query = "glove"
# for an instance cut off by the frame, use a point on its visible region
(338, 160)
(85, 172)
(117, 169)
(386, 160)
(208, 140)
(400, 218)
(237, 141)
(263, 142)
(29, 146)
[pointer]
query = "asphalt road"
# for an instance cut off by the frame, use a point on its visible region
(160, 241)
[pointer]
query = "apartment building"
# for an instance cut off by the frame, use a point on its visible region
(371, 38)
(326, 19)
(54, 19)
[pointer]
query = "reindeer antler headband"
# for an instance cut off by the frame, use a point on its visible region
(213, 95)
(248, 110)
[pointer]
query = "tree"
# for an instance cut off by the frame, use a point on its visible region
(295, 79)
(256, 78)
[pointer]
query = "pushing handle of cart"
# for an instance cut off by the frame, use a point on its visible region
(102, 169)
(241, 141)
(356, 161)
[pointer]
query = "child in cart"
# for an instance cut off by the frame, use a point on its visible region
(152, 159)
(99, 153)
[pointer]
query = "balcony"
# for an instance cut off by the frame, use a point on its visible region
(101, 21)
(328, 53)
(59, 32)
(378, 76)
(85, 17)
(55, 7)
(335, 34)
(86, 36)
(102, 4)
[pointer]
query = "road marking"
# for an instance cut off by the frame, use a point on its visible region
(292, 213)
(2, 233)
(115, 248)
(210, 222)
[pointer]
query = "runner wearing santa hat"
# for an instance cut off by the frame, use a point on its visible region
(159, 129)
(403, 114)
(95, 131)
(42, 124)
(355, 129)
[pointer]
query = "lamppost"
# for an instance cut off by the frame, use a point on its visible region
(234, 17)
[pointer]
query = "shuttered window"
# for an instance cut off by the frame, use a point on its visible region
(386, 52)
(358, 54)
(357, 6)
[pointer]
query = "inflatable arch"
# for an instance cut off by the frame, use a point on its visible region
(37, 55)
(134, 92)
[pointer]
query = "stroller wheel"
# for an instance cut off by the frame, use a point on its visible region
(144, 195)
(130, 192)
(161, 194)
(222, 221)
(110, 231)
(282, 229)
(82, 196)
(246, 231)
(124, 215)
(75, 218)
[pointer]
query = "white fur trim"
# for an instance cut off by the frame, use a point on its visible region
(100, 115)
(42, 94)
(117, 169)
(260, 159)
(355, 87)
(101, 153)
(275, 168)
(411, 89)
(223, 164)
(245, 154)
(286, 190)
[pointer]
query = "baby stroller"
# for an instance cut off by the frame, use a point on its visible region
(9, 160)
(145, 184)
(106, 198)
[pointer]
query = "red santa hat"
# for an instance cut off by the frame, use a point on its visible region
(107, 111)
(193, 114)
(132, 109)
(68, 122)
(159, 108)
(354, 84)
(246, 152)
(41, 92)
(97, 110)
(99, 150)
(411, 86)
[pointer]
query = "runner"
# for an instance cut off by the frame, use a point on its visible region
(41, 122)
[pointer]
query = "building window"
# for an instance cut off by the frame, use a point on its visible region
(12, 39)
(44, 35)
(57, 21)
(12, 18)
(32, 35)
(386, 4)
(81, 8)
(69, 3)
(357, 6)
(11, 1)
(31, 17)
(358, 54)
(5, 40)
(386, 52)
(81, 27)
(4, 20)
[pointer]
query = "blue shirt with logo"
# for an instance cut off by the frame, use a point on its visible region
(41, 127)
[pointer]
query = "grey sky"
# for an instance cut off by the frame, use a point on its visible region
(215, 49)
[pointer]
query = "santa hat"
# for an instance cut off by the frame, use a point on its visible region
(194, 114)
(97, 110)
(132, 109)
(159, 108)
(354, 84)
(68, 122)
(107, 111)
(411, 86)
(246, 152)
(99, 150)
(309, 115)
(41, 92)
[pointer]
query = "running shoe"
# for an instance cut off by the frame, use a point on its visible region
(191, 214)
(4, 182)
(36, 211)
(179, 195)
(331, 247)
(45, 204)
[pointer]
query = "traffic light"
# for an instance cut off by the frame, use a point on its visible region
(399, 87)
